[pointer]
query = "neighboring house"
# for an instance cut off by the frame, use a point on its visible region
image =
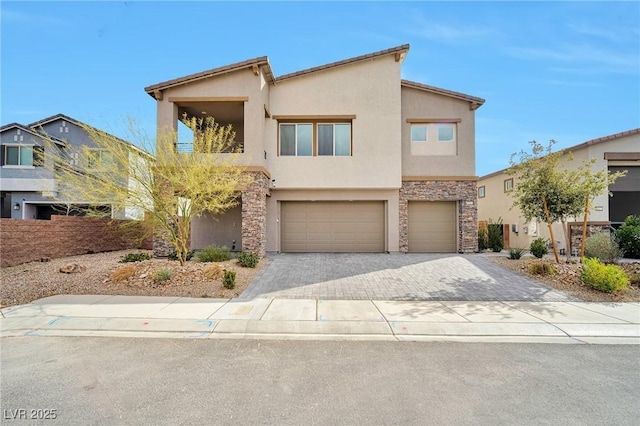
(620, 151)
(347, 157)
(29, 188)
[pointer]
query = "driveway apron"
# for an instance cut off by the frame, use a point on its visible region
(380, 276)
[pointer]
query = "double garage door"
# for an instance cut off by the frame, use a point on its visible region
(359, 226)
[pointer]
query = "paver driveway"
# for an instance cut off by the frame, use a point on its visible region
(382, 276)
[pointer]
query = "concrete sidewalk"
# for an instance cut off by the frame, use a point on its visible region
(272, 318)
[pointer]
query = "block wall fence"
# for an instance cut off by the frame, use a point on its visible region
(23, 241)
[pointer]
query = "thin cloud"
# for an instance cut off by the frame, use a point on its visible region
(11, 16)
(618, 35)
(613, 61)
(449, 33)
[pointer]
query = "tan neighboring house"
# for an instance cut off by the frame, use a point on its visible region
(346, 157)
(620, 151)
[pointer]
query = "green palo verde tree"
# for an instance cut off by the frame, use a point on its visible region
(547, 191)
(169, 188)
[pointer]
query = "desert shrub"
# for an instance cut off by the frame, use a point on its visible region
(483, 239)
(213, 272)
(214, 254)
(495, 239)
(634, 278)
(174, 255)
(248, 259)
(539, 248)
(516, 253)
(541, 268)
(123, 273)
(603, 246)
(229, 279)
(607, 278)
(162, 275)
(135, 257)
(628, 236)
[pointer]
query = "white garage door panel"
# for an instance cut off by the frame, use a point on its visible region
(432, 226)
(332, 226)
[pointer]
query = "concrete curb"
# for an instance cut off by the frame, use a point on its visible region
(308, 319)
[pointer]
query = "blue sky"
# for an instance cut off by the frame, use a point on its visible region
(568, 71)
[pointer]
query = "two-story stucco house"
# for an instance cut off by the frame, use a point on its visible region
(620, 151)
(29, 187)
(347, 156)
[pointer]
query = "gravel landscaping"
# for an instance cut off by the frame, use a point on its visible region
(567, 279)
(30, 281)
(105, 275)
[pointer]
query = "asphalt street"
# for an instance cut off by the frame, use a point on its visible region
(107, 381)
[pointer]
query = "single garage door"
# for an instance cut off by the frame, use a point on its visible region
(332, 226)
(432, 226)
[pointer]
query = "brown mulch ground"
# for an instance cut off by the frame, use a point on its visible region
(567, 279)
(30, 281)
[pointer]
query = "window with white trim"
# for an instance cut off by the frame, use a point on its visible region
(419, 133)
(305, 139)
(446, 132)
(481, 192)
(99, 159)
(508, 185)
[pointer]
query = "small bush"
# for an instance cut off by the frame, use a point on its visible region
(229, 279)
(174, 255)
(607, 278)
(628, 236)
(483, 239)
(162, 275)
(633, 278)
(495, 239)
(539, 248)
(541, 268)
(214, 254)
(602, 246)
(248, 259)
(135, 257)
(516, 253)
(123, 273)
(213, 272)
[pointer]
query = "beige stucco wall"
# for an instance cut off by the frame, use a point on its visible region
(437, 158)
(370, 90)
(497, 203)
(241, 83)
(390, 197)
(221, 230)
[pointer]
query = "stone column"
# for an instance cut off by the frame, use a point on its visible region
(254, 214)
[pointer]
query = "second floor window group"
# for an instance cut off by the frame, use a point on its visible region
(315, 139)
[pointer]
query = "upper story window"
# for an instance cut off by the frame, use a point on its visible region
(433, 136)
(99, 159)
(23, 155)
(446, 132)
(418, 133)
(481, 192)
(315, 138)
(508, 185)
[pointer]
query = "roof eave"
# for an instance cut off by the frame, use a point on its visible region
(260, 62)
(399, 52)
(474, 101)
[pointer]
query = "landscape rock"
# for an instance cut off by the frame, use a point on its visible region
(71, 268)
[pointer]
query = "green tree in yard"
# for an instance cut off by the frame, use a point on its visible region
(171, 188)
(549, 192)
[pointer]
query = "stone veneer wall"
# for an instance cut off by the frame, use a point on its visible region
(575, 230)
(462, 191)
(254, 214)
